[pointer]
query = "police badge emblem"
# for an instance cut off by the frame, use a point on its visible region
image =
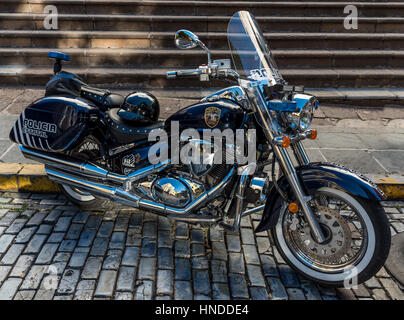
(212, 116)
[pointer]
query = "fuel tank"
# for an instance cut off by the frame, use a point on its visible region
(54, 124)
(221, 114)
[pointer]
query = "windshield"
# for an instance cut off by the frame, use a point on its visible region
(250, 54)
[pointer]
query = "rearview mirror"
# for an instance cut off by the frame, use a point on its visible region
(185, 39)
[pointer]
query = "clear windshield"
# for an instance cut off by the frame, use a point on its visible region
(250, 54)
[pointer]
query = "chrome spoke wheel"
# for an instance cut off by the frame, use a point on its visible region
(350, 232)
(343, 245)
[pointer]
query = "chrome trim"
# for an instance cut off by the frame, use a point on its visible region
(195, 218)
(185, 39)
(260, 185)
(300, 153)
(253, 210)
(171, 191)
(80, 171)
(48, 159)
(243, 182)
(234, 93)
(91, 170)
(297, 188)
(127, 198)
(270, 127)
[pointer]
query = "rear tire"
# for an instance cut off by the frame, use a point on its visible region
(374, 254)
(89, 149)
(83, 199)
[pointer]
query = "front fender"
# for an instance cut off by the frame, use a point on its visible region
(317, 175)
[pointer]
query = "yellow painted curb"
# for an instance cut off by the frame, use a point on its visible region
(25, 178)
(392, 188)
(8, 176)
(16, 177)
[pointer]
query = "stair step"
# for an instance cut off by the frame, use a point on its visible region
(175, 58)
(276, 8)
(308, 39)
(214, 40)
(357, 96)
(156, 77)
(26, 21)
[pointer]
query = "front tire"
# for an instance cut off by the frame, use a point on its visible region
(366, 239)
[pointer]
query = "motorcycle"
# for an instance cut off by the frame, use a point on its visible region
(325, 220)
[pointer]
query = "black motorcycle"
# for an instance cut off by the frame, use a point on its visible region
(326, 221)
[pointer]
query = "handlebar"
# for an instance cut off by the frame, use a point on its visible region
(203, 72)
(183, 73)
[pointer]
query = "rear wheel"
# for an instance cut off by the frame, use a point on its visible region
(357, 239)
(89, 149)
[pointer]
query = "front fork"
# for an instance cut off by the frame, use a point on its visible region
(290, 172)
(300, 153)
(266, 120)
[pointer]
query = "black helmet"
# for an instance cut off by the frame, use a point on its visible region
(140, 108)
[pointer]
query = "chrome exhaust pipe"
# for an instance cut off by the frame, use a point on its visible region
(88, 170)
(95, 188)
(101, 182)
(125, 197)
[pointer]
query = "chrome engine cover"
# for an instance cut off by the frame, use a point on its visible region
(258, 189)
(201, 162)
(171, 191)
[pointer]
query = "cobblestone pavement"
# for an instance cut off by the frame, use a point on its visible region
(49, 249)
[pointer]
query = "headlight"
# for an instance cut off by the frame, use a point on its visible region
(300, 120)
(306, 116)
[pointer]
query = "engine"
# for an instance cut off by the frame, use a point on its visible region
(184, 183)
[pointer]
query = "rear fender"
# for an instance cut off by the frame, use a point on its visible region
(315, 176)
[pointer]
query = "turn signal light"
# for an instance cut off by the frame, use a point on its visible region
(293, 207)
(313, 134)
(285, 142)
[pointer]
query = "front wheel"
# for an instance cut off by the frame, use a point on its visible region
(357, 239)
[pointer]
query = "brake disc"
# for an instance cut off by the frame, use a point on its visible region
(338, 238)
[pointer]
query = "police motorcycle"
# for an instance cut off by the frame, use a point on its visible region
(325, 220)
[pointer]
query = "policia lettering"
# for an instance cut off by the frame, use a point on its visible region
(38, 128)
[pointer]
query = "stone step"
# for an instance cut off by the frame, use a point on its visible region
(156, 77)
(195, 8)
(214, 40)
(106, 22)
(353, 96)
(174, 58)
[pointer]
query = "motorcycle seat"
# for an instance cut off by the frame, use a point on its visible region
(125, 132)
(69, 83)
(102, 97)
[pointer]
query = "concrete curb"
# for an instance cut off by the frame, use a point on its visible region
(15, 177)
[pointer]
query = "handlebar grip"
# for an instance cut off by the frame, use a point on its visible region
(183, 73)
